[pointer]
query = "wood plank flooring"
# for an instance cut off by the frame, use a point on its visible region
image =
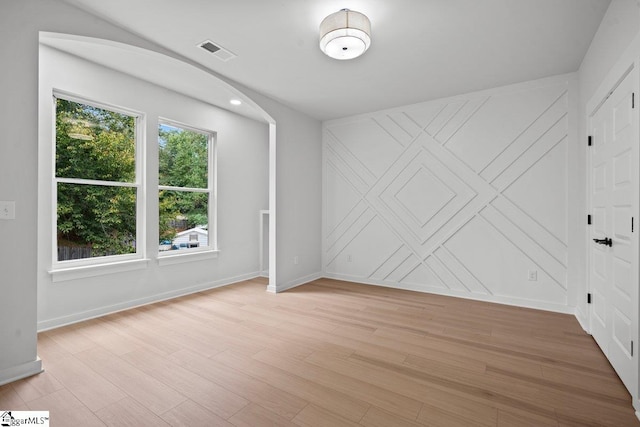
(328, 353)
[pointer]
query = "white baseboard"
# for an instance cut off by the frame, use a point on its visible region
(518, 302)
(582, 320)
(102, 311)
(19, 372)
(296, 282)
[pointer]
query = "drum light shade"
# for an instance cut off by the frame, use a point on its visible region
(345, 34)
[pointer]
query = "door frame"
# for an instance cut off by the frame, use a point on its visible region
(613, 79)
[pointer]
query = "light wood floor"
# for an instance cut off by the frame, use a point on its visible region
(328, 353)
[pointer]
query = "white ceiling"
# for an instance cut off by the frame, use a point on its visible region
(421, 49)
(156, 68)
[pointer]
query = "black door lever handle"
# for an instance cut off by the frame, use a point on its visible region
(606, 241)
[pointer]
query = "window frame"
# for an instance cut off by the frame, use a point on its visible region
(201, 252)
(84, 266)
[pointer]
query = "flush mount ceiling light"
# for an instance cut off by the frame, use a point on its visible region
(235, 102)
(345, 34)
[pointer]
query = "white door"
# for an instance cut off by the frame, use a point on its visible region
(613, 199)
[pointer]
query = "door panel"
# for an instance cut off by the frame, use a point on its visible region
(622, 169)
(622, 333)
(622, 278)
(613, 201)
(600, 178)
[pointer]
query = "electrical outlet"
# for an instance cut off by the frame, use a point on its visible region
(532, 275)
(7, 210)
(295, 260)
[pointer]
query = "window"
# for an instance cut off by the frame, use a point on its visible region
(186, 188)
(96, 182)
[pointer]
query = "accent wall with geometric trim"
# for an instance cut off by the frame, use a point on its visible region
(466, 196)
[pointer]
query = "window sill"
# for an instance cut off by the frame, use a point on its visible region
(187, 257)
(82, 272)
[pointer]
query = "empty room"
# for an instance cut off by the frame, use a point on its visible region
(320, 212)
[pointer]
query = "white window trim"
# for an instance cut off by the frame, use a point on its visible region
(211, 250)
(88, 267)
(109, 267)
(186, 255)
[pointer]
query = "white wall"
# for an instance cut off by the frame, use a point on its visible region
(18, 163)
(20, 23)
(614, 47)
(242, 175)
(460, 196)
(618, 28)
(298, 195)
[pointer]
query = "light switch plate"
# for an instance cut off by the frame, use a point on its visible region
(7, 210)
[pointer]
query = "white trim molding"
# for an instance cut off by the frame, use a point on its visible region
(465, 196)
(82, 272)
(294, 283)
(18, 372)
(187, 256)
(103, 311)
(496, 299)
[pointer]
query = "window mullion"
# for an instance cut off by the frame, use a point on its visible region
(185, 189)
(97, 182)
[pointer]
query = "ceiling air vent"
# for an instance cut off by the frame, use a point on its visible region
(217, 51)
